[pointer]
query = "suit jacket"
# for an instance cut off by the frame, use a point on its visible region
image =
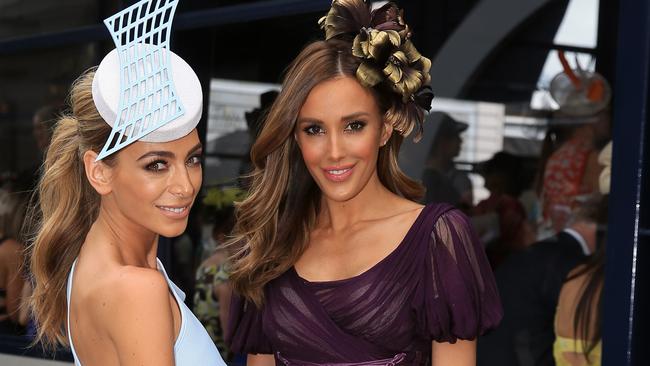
(529, 282)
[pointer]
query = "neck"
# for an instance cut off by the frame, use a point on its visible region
(588, 232)
(585, 133)
(126, 241)
(373, 199)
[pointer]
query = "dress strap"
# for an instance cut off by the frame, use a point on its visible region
(68, 296)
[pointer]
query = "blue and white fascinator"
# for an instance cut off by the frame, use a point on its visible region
(143, 90)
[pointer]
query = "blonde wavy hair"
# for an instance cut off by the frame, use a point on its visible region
(63, 210)
(274, 221)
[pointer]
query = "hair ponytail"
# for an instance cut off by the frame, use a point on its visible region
(66, 208)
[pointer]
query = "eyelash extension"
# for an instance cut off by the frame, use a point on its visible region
(308, 130)
(150, 166)
(198, 156)
(361, 124)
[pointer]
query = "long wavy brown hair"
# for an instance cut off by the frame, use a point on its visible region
(274, 221)
(63, 210)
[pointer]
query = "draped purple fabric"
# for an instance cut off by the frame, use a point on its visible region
(435, 286)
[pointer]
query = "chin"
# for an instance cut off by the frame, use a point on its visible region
(339, 195)
(172, 231)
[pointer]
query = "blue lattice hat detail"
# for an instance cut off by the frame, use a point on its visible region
(143, 90)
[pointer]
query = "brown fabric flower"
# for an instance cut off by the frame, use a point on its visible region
(383, 44)
(386, 55)
(345, 16)
(390, 17)
(408, 70)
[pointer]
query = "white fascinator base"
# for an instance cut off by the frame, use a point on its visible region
(106, 91)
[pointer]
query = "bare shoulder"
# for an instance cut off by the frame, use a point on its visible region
(406, 204)
(128, 293)
(404, 210)
(11, 254)
(218, 258)
(130, 282)
(11, 248)
(569, 295)
(573, 287)
(133, 305)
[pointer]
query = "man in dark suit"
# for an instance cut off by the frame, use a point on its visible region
(529, 283)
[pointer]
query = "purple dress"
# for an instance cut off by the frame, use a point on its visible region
(435, 286)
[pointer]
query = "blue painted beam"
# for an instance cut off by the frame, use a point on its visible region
(625, 233)
(191, 20)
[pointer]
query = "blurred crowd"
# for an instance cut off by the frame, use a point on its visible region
(543, 227)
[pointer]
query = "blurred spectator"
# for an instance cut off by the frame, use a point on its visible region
(212, 288)
(508, 230)
(12, 213)
(529, 197)
(255, 118)
(254, 121)
(43, 123)
(579, 311)
(529, 283)
(572, 170)
(605, 160)
(556, 135)
(443, 182)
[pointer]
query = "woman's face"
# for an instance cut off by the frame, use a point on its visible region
(339, 131)
(155, 184)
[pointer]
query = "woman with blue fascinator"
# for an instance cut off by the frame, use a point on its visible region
(335, 263)
(123, 168)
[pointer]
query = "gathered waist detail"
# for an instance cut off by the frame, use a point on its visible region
(398, 359)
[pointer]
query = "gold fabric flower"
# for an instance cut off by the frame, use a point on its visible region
(407, 70)
(386, 55)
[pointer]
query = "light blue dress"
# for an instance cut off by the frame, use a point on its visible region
(193, 345)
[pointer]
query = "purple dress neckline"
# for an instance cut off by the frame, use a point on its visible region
(393, 252)
(436, 285)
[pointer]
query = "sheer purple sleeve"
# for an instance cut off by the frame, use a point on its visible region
(245, 334)
(457, 297)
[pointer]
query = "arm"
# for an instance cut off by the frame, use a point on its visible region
(15, 281)
(589, 181)
(223, 293)
(23, 314)
(461, 353)
(138, 318)
(260, 360)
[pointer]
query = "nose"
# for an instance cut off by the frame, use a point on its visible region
(181, 183)
(336, 147)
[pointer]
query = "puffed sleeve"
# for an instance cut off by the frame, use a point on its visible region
(245, 334)
(456, 297)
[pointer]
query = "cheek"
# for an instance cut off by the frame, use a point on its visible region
(196, 176)
(148, 188)
(137, 189)
(365, 147)
(311, 150)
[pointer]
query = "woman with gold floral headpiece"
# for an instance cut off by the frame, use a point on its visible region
(334, 262)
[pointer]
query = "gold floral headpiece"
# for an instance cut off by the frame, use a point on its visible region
(383, 44)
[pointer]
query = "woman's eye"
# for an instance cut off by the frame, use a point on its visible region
(355, 126)
(194, 160)
(157, 166)
(313, 130)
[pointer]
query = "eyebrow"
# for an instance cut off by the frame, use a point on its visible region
(349, 116)
(169, 154)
